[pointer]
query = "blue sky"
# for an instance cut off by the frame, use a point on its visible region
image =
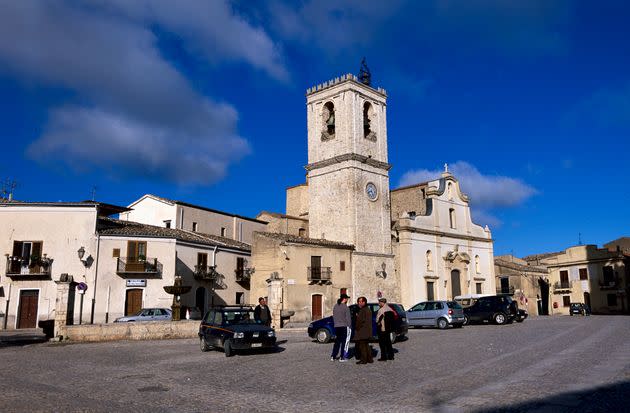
(528, 101)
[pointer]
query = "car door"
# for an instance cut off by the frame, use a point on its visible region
(217, 330)
(485, 310)
(415, 313)
(206, 325)
(438, 310)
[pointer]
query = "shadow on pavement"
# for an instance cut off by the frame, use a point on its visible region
(611, 398)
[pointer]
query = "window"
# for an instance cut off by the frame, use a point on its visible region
(202, 260)
(451, 214)
(609, 275)
(302, 232)
(430, 291)
(116, 252)
(368, 117)
(167, 223)
(612, 300)
(429, 263)
(342, 265)
(479, 289)
(477, 265)
(566, 300)
(26, 254)
(240, 268)
(223, 231)
(583, 274)
(136, 250)
(328, 118)
(240, 298)
(194, 228)
(450, 190)
(564, 277)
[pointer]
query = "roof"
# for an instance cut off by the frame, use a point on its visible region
(116, 227)
(303, 240)
(186, 204)
(279, 215)
(410, 186)
(297, 186)
(104, 209)
(536, 257)
(519, 267)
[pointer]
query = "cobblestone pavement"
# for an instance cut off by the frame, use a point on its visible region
(559, 364)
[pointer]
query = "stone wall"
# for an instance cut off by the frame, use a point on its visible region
(154, 330)
(407, 199)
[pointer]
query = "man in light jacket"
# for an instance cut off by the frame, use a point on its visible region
(385, 324)
(343, 323)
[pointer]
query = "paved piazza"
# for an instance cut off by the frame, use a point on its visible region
(544, 364)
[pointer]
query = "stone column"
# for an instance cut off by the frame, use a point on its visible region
(61, 305)
(274, 299)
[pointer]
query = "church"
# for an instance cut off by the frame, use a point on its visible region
(345, 230)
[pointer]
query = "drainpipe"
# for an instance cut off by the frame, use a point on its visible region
(214, 256)
(98, 247)
(6, 310)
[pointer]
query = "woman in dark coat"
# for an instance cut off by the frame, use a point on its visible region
(363, 332)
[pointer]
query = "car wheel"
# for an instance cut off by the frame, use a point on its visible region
(322, 336)
(442, 323)
(227, 347)
(500, 318)
(203, 344)
(466, 320)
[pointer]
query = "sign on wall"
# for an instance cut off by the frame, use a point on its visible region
(136, 283)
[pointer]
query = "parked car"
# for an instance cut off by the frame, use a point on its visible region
(234, 328)
(323, 329)
(500, 309)
(147, 314)
(190, 313)
(440, 314)
(577, 308)
(521, 316)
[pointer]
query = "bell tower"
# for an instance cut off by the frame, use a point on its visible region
(348, 171)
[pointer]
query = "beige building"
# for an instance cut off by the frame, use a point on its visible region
(345, 222)
(528, 284)
(168, 213)
(117, 266)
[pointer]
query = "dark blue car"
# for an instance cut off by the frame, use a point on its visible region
(323, 330)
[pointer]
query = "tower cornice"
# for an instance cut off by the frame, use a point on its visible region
(348, 157)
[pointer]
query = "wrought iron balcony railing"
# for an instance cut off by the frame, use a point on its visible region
(243, 274)
(562, 285)
(28, 267)
(318, 274)
(205, 273)
(139, 266)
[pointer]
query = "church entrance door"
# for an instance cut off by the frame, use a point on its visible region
(456, 288)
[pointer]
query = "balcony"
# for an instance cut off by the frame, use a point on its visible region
(319, 275)
(243, 275)
(32, 268)
(139, 267)
(508, 290)
(205, 273)
(562, 285)
(610, 284)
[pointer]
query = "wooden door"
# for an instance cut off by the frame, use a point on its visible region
(133, 301)
(27, 313)
(455, 284)
(316, 307)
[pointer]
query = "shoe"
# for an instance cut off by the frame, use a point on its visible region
(382, 359)
(370, 361)
(333, 358)
(342, 360)
(361, 362)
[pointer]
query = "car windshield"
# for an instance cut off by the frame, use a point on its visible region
(240, 317)
(453, 304)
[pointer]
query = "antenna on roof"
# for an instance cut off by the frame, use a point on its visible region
(579, 238)
(94, 188)
(8, 187)
(365, 76)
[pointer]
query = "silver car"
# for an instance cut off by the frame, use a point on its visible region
(438, 314)
(147, 314)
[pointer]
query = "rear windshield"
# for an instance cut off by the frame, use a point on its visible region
(398, 308)
(453, 304)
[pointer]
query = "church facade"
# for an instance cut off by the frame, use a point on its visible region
(348, 232)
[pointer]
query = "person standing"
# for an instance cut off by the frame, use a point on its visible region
(363, 332)
(342, 322)
(262, 313)
(385, 325)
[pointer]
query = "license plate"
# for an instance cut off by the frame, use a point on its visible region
(256, 344)
(255, 334)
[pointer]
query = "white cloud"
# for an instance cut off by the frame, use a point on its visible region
(486, 192)
(133, 111)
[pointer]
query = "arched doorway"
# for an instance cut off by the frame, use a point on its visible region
(456, 288)
(200, 299)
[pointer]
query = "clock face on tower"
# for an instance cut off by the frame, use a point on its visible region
(371, 191)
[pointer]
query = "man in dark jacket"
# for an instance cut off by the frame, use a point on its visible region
(262, 313)
(342, 322)
(363, 332)
(385, 325)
